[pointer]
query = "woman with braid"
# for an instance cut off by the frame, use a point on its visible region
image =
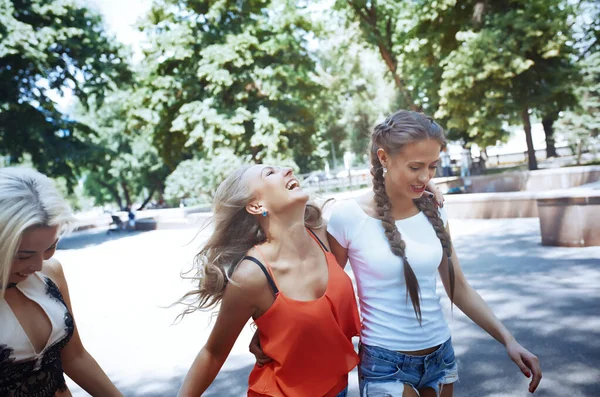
(396, 239)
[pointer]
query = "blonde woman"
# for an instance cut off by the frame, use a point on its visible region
(396, 241)
(39, 341)
(267, 260)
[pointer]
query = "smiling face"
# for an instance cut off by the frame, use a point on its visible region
(411, 169)
(274, 188)
(37, 245)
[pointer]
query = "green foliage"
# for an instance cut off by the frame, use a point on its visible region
(357, 93)
(588, 26)
(581, 126)
(516, 60)
(123, 163)
(200, 178)
(50, 45)
(226, 82)
(229, 74)
(380, 23)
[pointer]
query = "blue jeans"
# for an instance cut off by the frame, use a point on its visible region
(385, 372)
(343, 393)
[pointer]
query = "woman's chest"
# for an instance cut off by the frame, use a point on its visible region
(374, 253)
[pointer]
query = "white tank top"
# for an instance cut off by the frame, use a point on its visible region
(23, 371)
(388, 318)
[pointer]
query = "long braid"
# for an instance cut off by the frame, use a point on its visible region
(427, 207)
(397, 245)
(405, 127)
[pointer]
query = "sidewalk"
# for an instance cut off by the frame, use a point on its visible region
(547, 296)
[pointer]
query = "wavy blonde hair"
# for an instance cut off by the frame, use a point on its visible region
(235, 232)
(27, 199)
(396, 131)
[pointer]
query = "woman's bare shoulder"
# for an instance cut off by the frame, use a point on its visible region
(53, 269)
(248, 275)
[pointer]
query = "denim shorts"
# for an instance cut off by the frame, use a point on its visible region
(384, 373)
(343, 393)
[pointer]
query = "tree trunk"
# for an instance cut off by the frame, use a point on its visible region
(548, 124)
(579, 151)
(390, 62)
(126, 194)
(367, 13)
(147, 200)
(114, 192)
(529, 138)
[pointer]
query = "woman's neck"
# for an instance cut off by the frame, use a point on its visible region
(402, 205)
(287, 237)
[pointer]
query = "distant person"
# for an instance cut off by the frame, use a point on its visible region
(445, 162)
(465, 162)
(131, 218)
(39, 341)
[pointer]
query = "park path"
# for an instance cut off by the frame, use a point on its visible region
(121, 284)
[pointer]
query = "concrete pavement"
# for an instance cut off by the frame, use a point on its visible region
(121, 286)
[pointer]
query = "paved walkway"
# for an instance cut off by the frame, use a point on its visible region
(548, 297)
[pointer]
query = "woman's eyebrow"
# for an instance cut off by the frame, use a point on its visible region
(33, 252)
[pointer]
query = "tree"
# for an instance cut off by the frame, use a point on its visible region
(200, 178)
(379, 21)
(229, 74)
(46, 47)
(581, 126)
(123, 163)
(357, 91)
(508, 69)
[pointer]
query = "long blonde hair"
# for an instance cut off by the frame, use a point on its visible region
(27, 199)
(398, 130)
(235, 232)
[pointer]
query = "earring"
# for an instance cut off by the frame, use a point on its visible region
(384, 171)
(264, 213)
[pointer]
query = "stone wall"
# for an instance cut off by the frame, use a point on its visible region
(535, 181)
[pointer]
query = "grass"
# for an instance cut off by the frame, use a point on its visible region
(593, 162)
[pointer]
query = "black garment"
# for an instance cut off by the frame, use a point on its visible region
(41, 377)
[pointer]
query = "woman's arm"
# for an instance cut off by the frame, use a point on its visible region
(473, 305)
(237, 307)
(340, 253)
(77, 363)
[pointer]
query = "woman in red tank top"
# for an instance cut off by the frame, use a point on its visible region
(266, 260)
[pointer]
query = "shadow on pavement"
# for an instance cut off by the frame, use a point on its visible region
(229, 383)
(548, 298)
(88, 238)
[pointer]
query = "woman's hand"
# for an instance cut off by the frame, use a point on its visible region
(527, 362)
(435, 193)
(261, 357)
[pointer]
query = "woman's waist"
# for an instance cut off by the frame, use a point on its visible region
(412, 339)
(399, 314)
(411, 356)
(268, 380)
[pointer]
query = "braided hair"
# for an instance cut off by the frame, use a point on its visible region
(399, 129)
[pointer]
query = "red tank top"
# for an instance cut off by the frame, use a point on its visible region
(310, 342)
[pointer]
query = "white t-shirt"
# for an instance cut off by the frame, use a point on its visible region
(388, 317)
